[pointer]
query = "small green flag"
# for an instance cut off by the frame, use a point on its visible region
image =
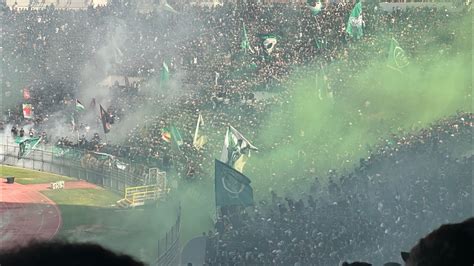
(165, 75)
(27, 145)
(79, 106)
(354, 24)
(231, 186)
(167, 7)
(245, 44)
(269, 41)
(397, 59)
(176, 137)
(314, 6)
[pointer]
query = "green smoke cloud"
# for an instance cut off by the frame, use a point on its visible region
(311, 134)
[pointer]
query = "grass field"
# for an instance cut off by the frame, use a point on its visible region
(83, 197)
(89, 215)
(25, 176)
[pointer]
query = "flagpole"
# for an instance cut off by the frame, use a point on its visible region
(197, 129)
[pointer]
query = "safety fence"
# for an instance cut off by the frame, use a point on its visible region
(169, 247)
(85, 166)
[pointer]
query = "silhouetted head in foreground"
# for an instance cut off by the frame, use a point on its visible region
(62, 253)
(451, 244)
(357, 263)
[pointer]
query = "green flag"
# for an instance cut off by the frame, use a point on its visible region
(79, 106)
(176, 137)
(397, 59)
(245, 44)
(231, 186)
(65, 152)
(269, 41)
(236, 149)
(27, 145)
(166, 7)
(314, 6)
(199, 139)
(19, 140)
(165, 75)
(354, 24)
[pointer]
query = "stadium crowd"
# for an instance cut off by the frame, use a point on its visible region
(60, 51)
(370, 214)
(59, 56)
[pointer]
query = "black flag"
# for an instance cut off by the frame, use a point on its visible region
(105, 121)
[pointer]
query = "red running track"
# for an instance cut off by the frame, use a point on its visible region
(26, 214)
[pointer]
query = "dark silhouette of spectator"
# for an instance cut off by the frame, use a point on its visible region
(451, 244)
(357, 263)
(63, 253)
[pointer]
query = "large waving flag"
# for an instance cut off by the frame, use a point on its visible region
(397, 59)
(231, 186)
(199, 139)
(236, 149)
(314, 6)
(354, 24)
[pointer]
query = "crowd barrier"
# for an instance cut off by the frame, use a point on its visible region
(100, 172)
(169, 247)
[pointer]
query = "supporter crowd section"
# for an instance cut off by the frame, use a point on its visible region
(371, 214)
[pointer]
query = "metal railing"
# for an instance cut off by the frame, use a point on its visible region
(169, 247)
(102, 173)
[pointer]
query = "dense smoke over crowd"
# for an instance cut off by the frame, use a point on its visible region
(353, 153)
